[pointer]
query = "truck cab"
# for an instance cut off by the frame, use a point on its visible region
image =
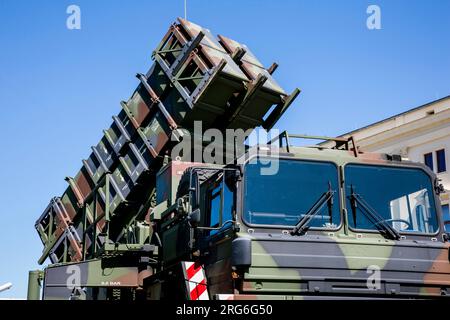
(312, 222)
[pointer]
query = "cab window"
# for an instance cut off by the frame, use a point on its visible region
(402, 197)
(219, 201)
(283, 198)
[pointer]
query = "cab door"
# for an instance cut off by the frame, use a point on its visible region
(219, 194)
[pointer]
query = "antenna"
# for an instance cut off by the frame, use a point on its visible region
(185, 9)
(6, 286)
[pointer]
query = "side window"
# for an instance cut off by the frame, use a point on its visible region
(228, 204)
(220, 204)
(215, 207)
(446, 217)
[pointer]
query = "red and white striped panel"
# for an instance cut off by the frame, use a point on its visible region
(195, 281)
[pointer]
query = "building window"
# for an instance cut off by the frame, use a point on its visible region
(428, 159)
(440, 159)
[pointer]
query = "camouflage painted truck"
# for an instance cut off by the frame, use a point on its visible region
(271, 221)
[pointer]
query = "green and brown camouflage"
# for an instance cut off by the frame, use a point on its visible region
(53, 221)
(147, 97)
(107, 278)
(336, 262)
(133, 215)
(251, 261)
(100, 160)
(120, 132)
(280, 265)
(194, 60)
(57, 218)
(71, 200)
(82, 184)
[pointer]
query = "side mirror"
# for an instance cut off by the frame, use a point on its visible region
(438, 187)
(446, 236)
(194, 217)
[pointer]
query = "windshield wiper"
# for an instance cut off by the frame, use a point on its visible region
(373, 214)
(302, 225)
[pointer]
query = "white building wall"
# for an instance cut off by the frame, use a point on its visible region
(416, 153)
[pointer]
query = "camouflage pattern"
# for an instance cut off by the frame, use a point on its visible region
(139, 105)
(120, 132)
(168, 180)
(100, 161)
(82, 184)
(251, 66)
(53, 221)
(194, 60)
(93, 235)
(179, 37)
(132, 215)
(332, 263)
(156, 134)
(95, 166)
(71, 201)
(318, 264)
(115, 195)
(56, 219)
(67, 248)
(105, 274)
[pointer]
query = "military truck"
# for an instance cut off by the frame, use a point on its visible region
(268, 221)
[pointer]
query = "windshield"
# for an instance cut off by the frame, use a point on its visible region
(402, 197)
(283, 198)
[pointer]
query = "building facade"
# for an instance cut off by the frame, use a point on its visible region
(420, 134)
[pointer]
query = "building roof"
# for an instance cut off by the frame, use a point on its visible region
(395, 116)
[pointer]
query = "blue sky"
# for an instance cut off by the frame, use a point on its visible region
(59, 87)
